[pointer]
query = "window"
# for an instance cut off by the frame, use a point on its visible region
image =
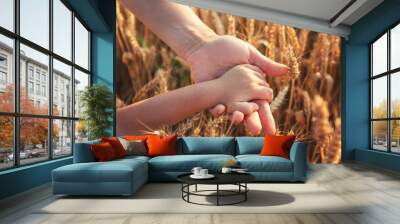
(62, 74)
(38, 73)
(34, 21)
(6, 73)
(3, 61)
(385, 95)
(30, 87)
(48, 77)
(38, 89)
(62, 33)
(81, 45)
(62, 137)
(6, 142)
(30, 72)
(3, 78)
(44, 91)
(7, 14)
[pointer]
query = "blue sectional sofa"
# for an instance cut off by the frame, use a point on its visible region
(125, 176)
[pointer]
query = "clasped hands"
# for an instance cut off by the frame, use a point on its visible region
(240, 70)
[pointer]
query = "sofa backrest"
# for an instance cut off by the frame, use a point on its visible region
(83, 152)
(206, 145)
(249, 145)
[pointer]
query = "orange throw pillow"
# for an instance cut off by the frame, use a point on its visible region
(161, 145)
(103, 152)
(275, 145)
(135, 137)
(116, 145)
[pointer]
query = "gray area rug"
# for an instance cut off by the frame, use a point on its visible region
(166, 198)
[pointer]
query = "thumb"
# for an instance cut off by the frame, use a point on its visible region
(268, 66)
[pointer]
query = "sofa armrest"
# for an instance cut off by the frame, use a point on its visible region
(83, 152)
(298, 155)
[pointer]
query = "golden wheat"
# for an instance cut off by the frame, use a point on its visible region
(308, 99)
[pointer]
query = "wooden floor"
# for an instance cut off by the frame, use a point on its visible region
(378, 188)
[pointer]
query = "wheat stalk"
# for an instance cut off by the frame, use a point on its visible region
(147, 67)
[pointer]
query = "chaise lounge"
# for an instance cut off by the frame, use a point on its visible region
(125, 176)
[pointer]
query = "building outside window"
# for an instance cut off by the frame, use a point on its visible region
(44, 77)
(37, 75)
(30, 87)
(30, 72)
(385, 94)
(57, 126)
(43, 90)
(3, 72)
(3, 61)
(3, 78)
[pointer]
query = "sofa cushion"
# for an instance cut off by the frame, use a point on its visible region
(161, 145)
(277, 145)
(112, 171)
(206, 145)
(116, 145)
(134, 147)
(249, 145)
(103, 152)
(83, 153)
(257, 163)
(185, 163)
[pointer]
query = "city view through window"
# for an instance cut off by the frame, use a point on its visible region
(39, 113)
(385, 92)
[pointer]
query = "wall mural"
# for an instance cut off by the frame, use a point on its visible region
(307, 99)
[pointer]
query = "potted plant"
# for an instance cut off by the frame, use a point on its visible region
(96, 103)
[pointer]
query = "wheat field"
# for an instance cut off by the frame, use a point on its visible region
(307, 100)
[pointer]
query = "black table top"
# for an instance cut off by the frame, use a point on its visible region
(220, 178)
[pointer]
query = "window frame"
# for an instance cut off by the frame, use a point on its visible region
(388, 74)
(16, 115)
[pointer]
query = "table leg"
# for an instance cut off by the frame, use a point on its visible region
(245, 193)
(217, 194)
(195, 188)
(188, 190)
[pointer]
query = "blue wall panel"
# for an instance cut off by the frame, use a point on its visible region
(356, 84)
(24, 178)
(356, 101)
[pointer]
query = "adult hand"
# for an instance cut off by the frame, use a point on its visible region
(217, 55)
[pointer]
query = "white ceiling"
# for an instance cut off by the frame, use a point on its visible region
(316, 15)
(320, 9)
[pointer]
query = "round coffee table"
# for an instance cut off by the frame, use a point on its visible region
(238, 179)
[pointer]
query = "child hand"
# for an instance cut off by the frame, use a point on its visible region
(240, 85)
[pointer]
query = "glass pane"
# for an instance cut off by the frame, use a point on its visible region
(379, 135)
(81, 45)
(62, 29)
(34, 97)
(81, 131)
(62, 138)
(7, 14)
(33, 139)
(35, 21)
(81, 81)
(379, 97)
(395, 47)
(6, 74)
(379, 55)
(6, 142)
(62, 89)
(395, 94)
(395, 129)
